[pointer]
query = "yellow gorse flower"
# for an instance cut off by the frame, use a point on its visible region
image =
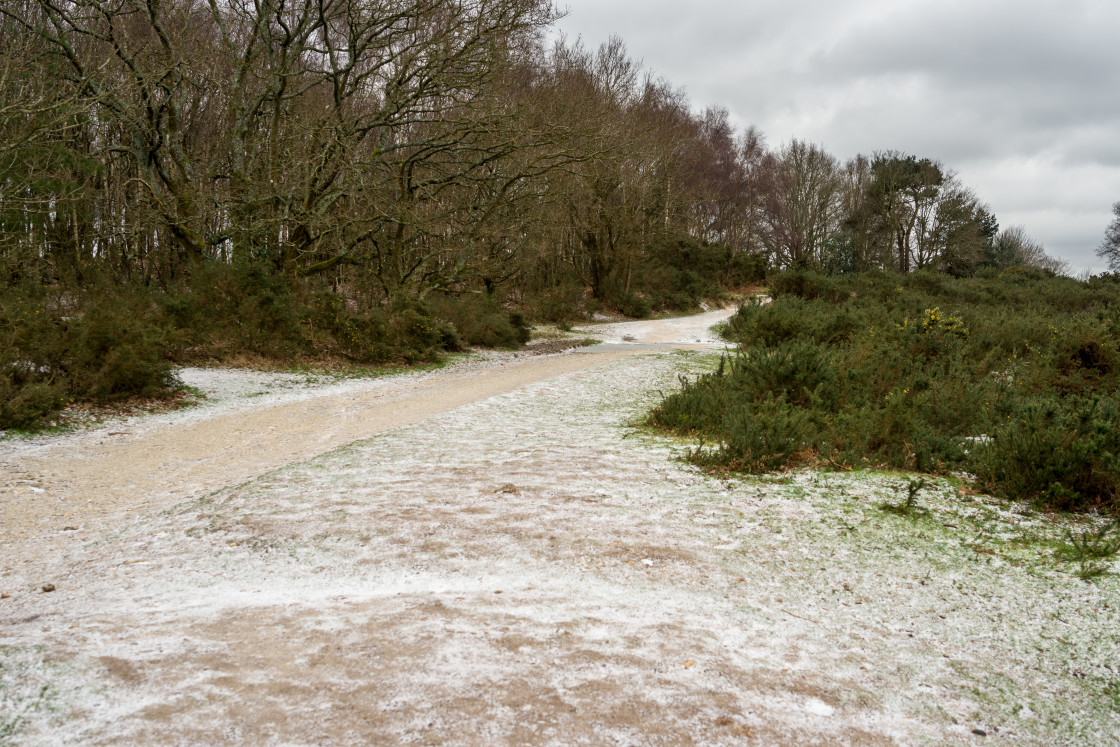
(934, 320)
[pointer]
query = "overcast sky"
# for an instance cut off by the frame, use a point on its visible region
(1020, 97)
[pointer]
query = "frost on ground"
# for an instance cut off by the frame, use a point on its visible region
(531, 569)
(221, 391)
(696, 330)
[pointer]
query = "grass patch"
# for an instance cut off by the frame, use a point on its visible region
(908, 506)
(23, 691)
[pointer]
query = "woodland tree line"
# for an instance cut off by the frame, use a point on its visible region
(384, 179)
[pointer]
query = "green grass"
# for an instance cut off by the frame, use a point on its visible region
(22, 690)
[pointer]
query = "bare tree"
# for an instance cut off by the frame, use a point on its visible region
(1015, 248)
(620, 191)
(46, 176)
(1109, 250)
(310, 134)
(802, 207)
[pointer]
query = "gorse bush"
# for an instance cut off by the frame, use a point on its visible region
(109, 341)
(229, 309)
(1063, 451)
(1011, 377)
(114, 349)
(478, 319)
(99, 346)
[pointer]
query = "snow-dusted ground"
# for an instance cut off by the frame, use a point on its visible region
(686, 330)
(229, 390)
(531, 569)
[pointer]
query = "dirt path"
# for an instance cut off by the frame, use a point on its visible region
(89, 478)
(507, 562)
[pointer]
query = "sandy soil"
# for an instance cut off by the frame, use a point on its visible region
(493, 555)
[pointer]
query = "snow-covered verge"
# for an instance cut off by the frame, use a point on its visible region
(531, 569)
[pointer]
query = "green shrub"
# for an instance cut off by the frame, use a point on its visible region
(1000, 376)
(412, 329)
(1062, 453)
(558, 304)
(680, 272)
(231, 308)
(791, 317)
(116, 348)
(104, 344)
(30, 330)
(807, 285)
(635, 306)
(27, 404)
(521, 326)
(669, 272)
(765, 436)
(479, 320)
(798, 370)
(361, 336)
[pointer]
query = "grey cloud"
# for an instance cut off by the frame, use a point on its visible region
(1023, 89)
(1014, 78)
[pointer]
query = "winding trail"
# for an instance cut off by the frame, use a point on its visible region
(490, 554)
(90, 478)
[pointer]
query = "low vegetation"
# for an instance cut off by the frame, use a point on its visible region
(110, 341)
(1011, 377)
